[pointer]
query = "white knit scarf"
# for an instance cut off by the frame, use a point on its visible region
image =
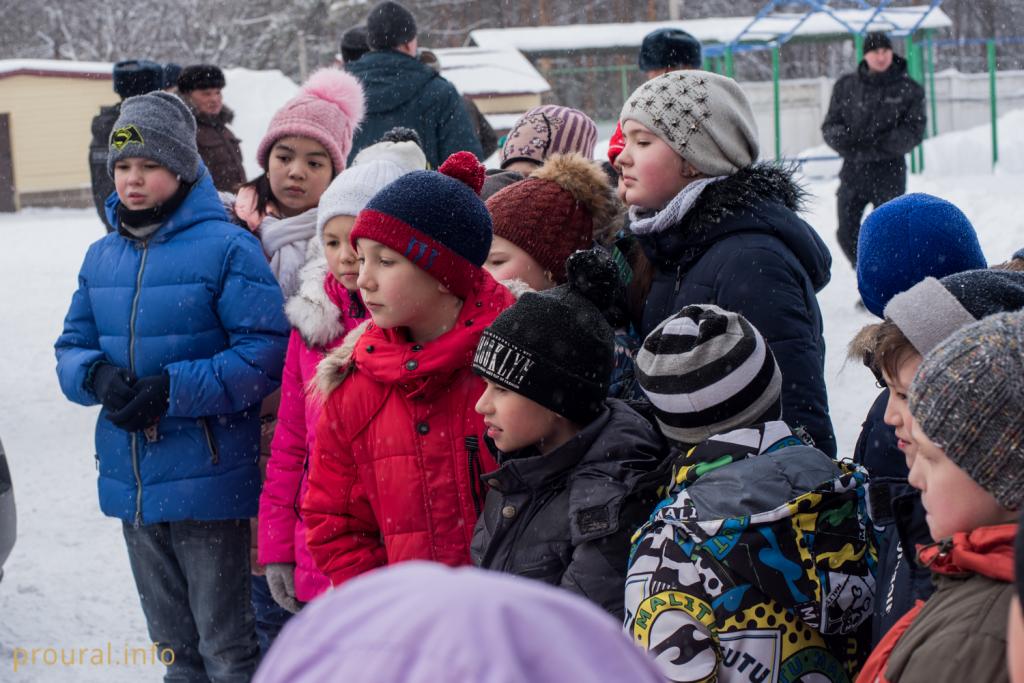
(285, 241)
(647, 222)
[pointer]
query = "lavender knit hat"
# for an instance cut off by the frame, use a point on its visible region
(548, 130)
(328, 109)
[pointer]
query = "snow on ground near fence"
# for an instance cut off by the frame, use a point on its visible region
(68, 584)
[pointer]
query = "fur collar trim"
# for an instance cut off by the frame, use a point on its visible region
(334, 368)
(310, 310)
(744, 191)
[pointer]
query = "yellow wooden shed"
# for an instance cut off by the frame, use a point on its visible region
(46, 112)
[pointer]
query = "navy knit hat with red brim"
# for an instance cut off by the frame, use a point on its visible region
(436, 220)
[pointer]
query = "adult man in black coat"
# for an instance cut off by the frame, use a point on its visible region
(402, 91)
(132, 77)
(876, 116)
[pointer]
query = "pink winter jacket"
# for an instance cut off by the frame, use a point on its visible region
(320, 319)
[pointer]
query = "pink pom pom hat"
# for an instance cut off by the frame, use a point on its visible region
(328, 108)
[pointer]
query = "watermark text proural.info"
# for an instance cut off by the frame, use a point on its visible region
(23, 658)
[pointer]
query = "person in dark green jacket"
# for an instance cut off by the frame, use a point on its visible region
(402, 91)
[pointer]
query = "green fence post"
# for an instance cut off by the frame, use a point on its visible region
(775, 97)
(912, 72)
(991, 49)
(729, 67)
(931, 82)
(858, 46)
(624, 79)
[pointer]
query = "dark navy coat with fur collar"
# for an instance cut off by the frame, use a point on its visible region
(197, 301)
(743, 247)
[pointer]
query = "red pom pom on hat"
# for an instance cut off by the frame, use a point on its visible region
(464, 166)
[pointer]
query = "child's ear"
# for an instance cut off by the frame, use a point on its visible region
(689, 170)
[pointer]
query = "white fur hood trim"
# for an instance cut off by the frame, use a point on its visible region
(310, 310)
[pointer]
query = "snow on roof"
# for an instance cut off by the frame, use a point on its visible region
(490, 71)
(712, 30)
(55, 67)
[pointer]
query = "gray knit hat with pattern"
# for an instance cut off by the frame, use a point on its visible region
(157, 126)
(968, 398)
(704, 117)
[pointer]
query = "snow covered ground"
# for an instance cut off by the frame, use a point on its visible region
(68, 586)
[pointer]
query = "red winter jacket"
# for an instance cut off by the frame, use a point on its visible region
(395, 469)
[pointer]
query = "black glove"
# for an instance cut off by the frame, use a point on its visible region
(112, 386)
(150, 403)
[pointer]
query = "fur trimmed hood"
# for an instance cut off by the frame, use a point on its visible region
(335, 366)
(310, 310)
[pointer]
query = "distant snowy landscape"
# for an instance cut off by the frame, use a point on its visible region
(68, 585)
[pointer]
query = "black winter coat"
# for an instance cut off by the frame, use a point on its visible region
(900, 581)
(99, 149)
(402, 91)
(875, 117)
(742, 247)
(876, 446)
(566, 518)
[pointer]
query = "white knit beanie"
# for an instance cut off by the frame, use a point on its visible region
(353, 188)
(405, 153)
(704, 117)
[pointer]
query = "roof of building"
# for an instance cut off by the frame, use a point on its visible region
(477, 71)
(720, 30)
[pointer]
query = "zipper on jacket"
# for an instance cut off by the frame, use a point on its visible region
(131, 366)
(472, 449)
(679, 279)
(210, 443)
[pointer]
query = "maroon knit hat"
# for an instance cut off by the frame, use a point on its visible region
(555, 210)
(547, 130)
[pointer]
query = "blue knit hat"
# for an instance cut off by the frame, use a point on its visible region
(436, 220)
(908, 239)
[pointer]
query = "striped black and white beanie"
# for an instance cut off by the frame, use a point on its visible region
(707, 371)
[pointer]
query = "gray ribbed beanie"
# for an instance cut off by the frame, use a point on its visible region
(156, 126)
(704, 117)
(968, 398)
(707, 371)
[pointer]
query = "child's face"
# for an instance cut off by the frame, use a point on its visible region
(299, 171)
(952, 500)
(652, 172)
(897, 411)
(143, 183)
(342, 259)
(506, 261)
(396, 292)
(514, 421)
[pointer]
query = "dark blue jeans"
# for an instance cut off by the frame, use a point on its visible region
(270, 617)
(193, 581)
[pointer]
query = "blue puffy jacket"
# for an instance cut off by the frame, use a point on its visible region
(198, 301)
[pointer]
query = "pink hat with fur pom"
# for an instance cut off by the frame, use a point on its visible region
(328, 109)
